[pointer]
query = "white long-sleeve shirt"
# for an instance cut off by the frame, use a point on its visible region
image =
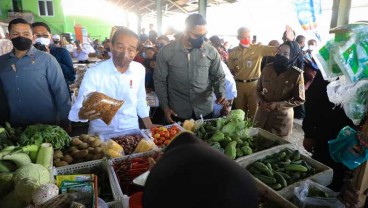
(128, 86)
(82, 55)
(230, 90)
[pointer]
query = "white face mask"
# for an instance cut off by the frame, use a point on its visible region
(311, 47)
(43, 41)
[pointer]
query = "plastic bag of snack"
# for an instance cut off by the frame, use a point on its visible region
(105, 105)
(112, 149)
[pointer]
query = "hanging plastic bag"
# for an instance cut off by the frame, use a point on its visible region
(325, 61)
(336, 90)
(349, 148)
(354, 101)
(105, 105)
(312, 194)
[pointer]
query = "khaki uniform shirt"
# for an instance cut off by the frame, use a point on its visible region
(245, 62)
(185, 79)
(287, 91)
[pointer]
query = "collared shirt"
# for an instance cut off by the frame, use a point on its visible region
(185, 79)
(230, 90)
(65, 60)
(35, 88)
(127, 86)
(245, 62)
(82, 55)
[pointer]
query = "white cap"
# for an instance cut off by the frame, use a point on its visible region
(56, 37)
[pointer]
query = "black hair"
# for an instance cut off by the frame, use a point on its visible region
(215, 40)
(18, 21)
(193, 20)
(299, 39)
(41, 24)
(123, 31)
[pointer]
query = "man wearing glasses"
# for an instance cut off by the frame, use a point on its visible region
(32, 82)
(187, 72)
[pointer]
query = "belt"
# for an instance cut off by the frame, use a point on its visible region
(247, 80)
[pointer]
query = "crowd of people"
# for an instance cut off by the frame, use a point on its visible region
(193, 77)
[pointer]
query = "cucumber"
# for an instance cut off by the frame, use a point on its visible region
(254, 170)
(296, 155)
(306, 165)
(297, 168)
(297, 162)
(269, 166)
(263, 168)
(286, 176)
(276, 186)
(282, 155)
(271, 160)
(280, 179)
(265, 179)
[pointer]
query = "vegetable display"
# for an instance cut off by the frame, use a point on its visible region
(42, 133)
(128, 142)
(281, 169)
(231, 135)
(162, 136)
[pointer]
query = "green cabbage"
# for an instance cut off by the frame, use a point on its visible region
(237, 114)
(32, 171)
(25, 187)
(6, 183)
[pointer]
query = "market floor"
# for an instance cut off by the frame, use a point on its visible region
(297, 136)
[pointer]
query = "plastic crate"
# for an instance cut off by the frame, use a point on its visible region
(123, 197)
(323, 176)
(87, 166)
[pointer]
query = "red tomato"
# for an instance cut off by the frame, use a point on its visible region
(167, 134)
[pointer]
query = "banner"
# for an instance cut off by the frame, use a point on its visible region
(308, 12)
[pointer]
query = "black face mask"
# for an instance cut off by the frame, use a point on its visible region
(56, 42)
(281, 63)
(120, 59)
(22, 43)
(196, 42)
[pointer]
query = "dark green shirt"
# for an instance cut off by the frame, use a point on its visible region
(185, 79)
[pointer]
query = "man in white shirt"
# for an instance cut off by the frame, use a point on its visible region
(81, 53)
(118, 77)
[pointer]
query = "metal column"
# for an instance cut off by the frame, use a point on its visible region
(159, 17)
(202, 7)
(340, 13)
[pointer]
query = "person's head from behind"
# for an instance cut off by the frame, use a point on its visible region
(151, 27)
(300, 39)
(20, 33)
(193, 174)
(312, 44)
(150, 52)
(42, 35)
(215, 41)
(244, 36)
(162, 41)
(274, 43)
(195, 30)
(124, 44)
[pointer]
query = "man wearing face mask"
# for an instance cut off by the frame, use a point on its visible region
(187, 72)
(280, 89)
(33, 82)
(120, 78)
(42, 34)
(245, 63)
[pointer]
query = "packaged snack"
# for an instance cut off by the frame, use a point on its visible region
(105, 105)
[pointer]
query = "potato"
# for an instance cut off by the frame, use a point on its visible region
(84, 137)
(61, 163)
(89, 156)
(103, 146)
(56, 160)
(68, 159)
(91, 149)
(81, 154)
(97, 150)
(76, 142)
(73, 148)
(74, 152)
(91, 139)
(58, 154)
(96, 143)
(98, 156)
(83, 146)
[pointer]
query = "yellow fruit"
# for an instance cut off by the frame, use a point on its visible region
(112, 153)
(111, 144)
(189, 125)
(144, 146)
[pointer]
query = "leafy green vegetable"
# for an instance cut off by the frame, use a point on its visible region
(237, 114)
(8, 135)
(42, 133)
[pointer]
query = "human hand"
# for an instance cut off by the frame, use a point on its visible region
(168, 113)
(222, 101)
(309, 144)
(289, 33)
(88, 115)
(267, 106)
(225, 110)
(349, 195)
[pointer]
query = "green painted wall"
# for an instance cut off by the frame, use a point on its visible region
(59, 23)
(96, 27)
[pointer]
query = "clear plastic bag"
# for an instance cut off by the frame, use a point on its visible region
(349, 148)
(105, 105)
(325, 61)
(312, 194)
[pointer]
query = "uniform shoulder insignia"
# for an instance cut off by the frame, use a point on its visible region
(298, 69)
